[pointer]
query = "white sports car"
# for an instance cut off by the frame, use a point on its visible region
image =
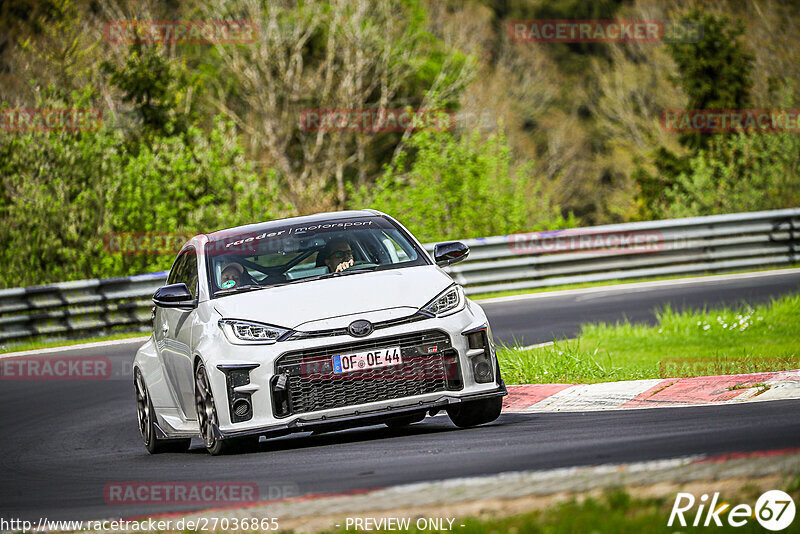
(312, 323)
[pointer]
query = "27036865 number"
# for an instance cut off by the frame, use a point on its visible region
(236, 523)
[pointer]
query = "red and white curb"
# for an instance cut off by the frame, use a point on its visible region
(658, 392)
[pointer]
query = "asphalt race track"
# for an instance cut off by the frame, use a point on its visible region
(65, 440)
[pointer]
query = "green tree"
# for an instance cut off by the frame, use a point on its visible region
(331, 54)
(158, 90)
(66, 191)
(460, 188)
(715, 73)
(738, 173)
(571, 57)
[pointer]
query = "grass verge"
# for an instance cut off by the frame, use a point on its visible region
(737, 340)
(615, 511)
(35, 344)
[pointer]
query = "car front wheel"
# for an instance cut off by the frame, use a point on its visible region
(475, 412)
(147, 419)
(207, 418)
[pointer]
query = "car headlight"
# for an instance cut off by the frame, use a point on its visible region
(250, 331)
(447, 302)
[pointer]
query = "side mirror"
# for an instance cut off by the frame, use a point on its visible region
(174, 296)
(449, 253)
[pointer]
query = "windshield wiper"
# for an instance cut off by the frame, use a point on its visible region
(231, 290)
(327, 275)
(368, 267)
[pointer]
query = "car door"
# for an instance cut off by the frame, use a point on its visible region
(174, 327)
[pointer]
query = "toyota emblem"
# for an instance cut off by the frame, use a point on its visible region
(360, 328)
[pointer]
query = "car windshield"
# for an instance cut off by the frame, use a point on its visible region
(276, 255)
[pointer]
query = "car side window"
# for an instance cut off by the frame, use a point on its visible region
(175, 274)
(185, 271)
(191, 271)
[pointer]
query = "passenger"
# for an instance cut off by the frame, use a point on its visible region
(232, 272)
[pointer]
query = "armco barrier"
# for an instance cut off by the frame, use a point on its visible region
(632, 250)
(74, 309)
(513, 262)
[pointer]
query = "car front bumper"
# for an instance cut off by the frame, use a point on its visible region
(356, 418)
(261, 363)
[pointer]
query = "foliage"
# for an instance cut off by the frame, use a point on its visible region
(156, 88)
(606, 510)
(715, 74)
(337, 55)
(581, 130)
(577, 10)
(461, 187)
(738, 173)
(66, 191)
(570, 56)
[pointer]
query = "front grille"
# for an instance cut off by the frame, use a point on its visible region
(419, 316)
(305, 381)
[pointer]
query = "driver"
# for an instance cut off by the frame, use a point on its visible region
(232, 272)
(338, 255)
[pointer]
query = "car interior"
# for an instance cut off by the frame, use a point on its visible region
(297, 258)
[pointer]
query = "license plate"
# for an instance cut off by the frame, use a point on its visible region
(361, 361)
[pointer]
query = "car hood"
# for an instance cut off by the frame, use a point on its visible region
(333, 302)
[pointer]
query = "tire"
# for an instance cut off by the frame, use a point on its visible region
(476, 412)
(406, 420)
(146, 416)
(207, 418)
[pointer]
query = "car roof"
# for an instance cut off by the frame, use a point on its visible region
(306, 219)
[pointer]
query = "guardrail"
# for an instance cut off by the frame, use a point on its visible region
(513, 262)
(631, 250)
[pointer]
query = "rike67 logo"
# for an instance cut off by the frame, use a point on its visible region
(774, 510)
